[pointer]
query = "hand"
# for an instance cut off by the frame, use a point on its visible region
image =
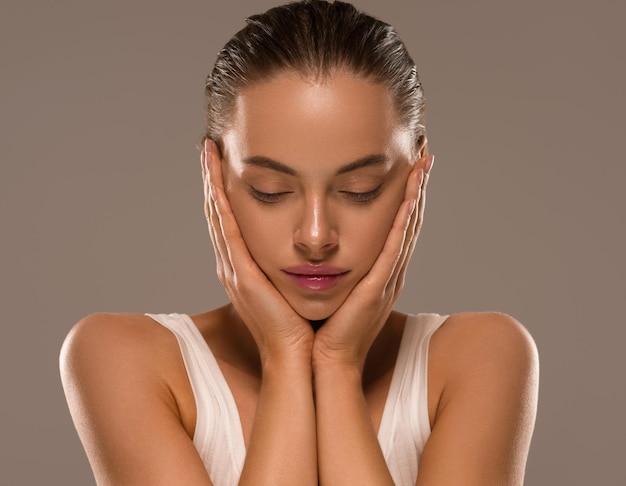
(349, 333)
(276, 328)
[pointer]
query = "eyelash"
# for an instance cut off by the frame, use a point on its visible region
(363, 197)
(357, 197)
(267, 197)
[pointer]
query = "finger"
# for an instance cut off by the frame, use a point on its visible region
(386, 268)
(232, 246)
(221, 258)
(420, 184)
(223, 266)
(414, 184)
(421, 196)
(411, 240)
(229, 230)
(214, 166)
(203, 164)
(205, 182)
(422, 201)
(417, 223)
(413, 189)
(382, 270)
(413, 180)
(207, 196)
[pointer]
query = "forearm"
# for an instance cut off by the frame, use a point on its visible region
(348, 449)
(282, 447)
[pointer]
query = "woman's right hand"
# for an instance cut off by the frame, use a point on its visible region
(276, 328)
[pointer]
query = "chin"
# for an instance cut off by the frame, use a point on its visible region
(315, 312)
(315, 307)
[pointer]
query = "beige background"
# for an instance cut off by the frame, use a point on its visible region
(101, 201)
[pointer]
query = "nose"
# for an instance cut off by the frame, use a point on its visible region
(315, 233)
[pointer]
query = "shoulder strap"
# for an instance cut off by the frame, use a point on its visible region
(218, 436)
(405, 425)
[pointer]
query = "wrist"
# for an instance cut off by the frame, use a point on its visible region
(285, 360)
(340, 363)
(286, 352)
(336, 377)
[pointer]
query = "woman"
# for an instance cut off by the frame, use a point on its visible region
(315, 167)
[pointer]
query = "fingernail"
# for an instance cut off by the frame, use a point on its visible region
(208, 148)
(420, 176)
(411, 209)
(429, 164)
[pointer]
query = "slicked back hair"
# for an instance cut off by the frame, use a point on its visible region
(314, 38)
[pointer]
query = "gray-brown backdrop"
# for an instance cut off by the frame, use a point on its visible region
(101, 200)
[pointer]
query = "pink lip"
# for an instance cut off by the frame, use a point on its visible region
(315, 277)
(310, 269)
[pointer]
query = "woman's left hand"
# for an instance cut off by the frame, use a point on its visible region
(347, 335)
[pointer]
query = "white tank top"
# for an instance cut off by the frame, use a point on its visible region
(218, 437)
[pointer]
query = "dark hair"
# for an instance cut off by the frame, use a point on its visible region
(314, 38)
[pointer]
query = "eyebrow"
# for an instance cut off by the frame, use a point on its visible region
(267, 163)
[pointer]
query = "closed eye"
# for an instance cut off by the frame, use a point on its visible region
(358, 197)
(363, 197)
(267, 197)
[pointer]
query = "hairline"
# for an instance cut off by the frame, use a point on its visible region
(319, 77)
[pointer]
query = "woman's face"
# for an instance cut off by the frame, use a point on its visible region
(315, 173)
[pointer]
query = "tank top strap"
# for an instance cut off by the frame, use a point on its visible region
(405, 424)
(218, 436)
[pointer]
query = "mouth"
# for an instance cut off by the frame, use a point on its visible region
(315, 277)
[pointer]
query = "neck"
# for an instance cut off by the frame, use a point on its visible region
(317, 324)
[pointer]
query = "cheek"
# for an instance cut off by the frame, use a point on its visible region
(362, 231)
(365, 236)
(260, 229)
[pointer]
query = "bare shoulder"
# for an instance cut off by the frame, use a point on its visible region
(483, 376)
(121, 329)
(125, 384)
(483, 349)
(485, 336)
(119, 355)
(117, 340)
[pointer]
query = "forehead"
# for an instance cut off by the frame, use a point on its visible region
(298, 121)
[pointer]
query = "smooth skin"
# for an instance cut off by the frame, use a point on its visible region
(310, 402)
